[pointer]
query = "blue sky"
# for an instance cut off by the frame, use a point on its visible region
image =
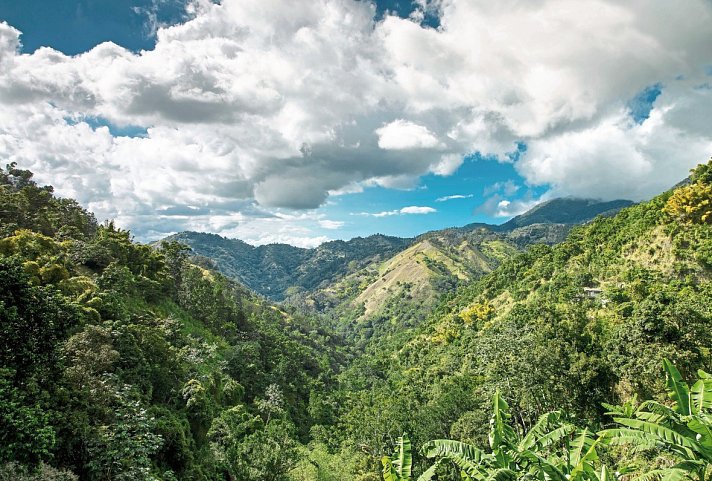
(75, 26)
(475, 182)
(438, 127)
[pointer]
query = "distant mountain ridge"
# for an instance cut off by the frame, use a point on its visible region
(279, 271)
(272, 269)
(565, 210)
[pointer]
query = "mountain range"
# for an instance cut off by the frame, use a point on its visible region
(361, 277)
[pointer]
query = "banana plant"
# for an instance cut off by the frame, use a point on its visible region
(399, 467)
(553, 450)
(684, 429)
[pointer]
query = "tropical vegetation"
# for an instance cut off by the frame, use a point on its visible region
(121, 360)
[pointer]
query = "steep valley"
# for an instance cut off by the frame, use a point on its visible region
(145, 361)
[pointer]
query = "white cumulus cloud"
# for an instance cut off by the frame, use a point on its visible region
(411, 209)
(252, 106)
(414, 209)
(331, 224)
(496, 206)
(403, 135)
(453, 197)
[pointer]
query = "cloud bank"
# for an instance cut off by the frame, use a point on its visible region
(253, 106)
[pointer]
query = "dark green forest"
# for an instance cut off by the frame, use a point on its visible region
(585, 360)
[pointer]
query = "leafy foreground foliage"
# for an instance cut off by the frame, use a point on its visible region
(552, 449)
(683, 430)
(124, 361)
(399, 467)
(555, 449)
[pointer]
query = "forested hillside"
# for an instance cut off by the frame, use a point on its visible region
(127, 361)
(563, 328)
(121, 361)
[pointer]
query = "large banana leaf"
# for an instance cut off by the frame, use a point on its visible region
(501, 433)
(583, 453)
(389, 471)
(688, 426)
(677, 388)
(404, 461)
(654, 412)
(691, 466)
(539, 464)
(663, 434)
(702, 426)
(399, 468)
(547, 431)
(701, 394)
(430, 472)
(468, 458)
(625, 436)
